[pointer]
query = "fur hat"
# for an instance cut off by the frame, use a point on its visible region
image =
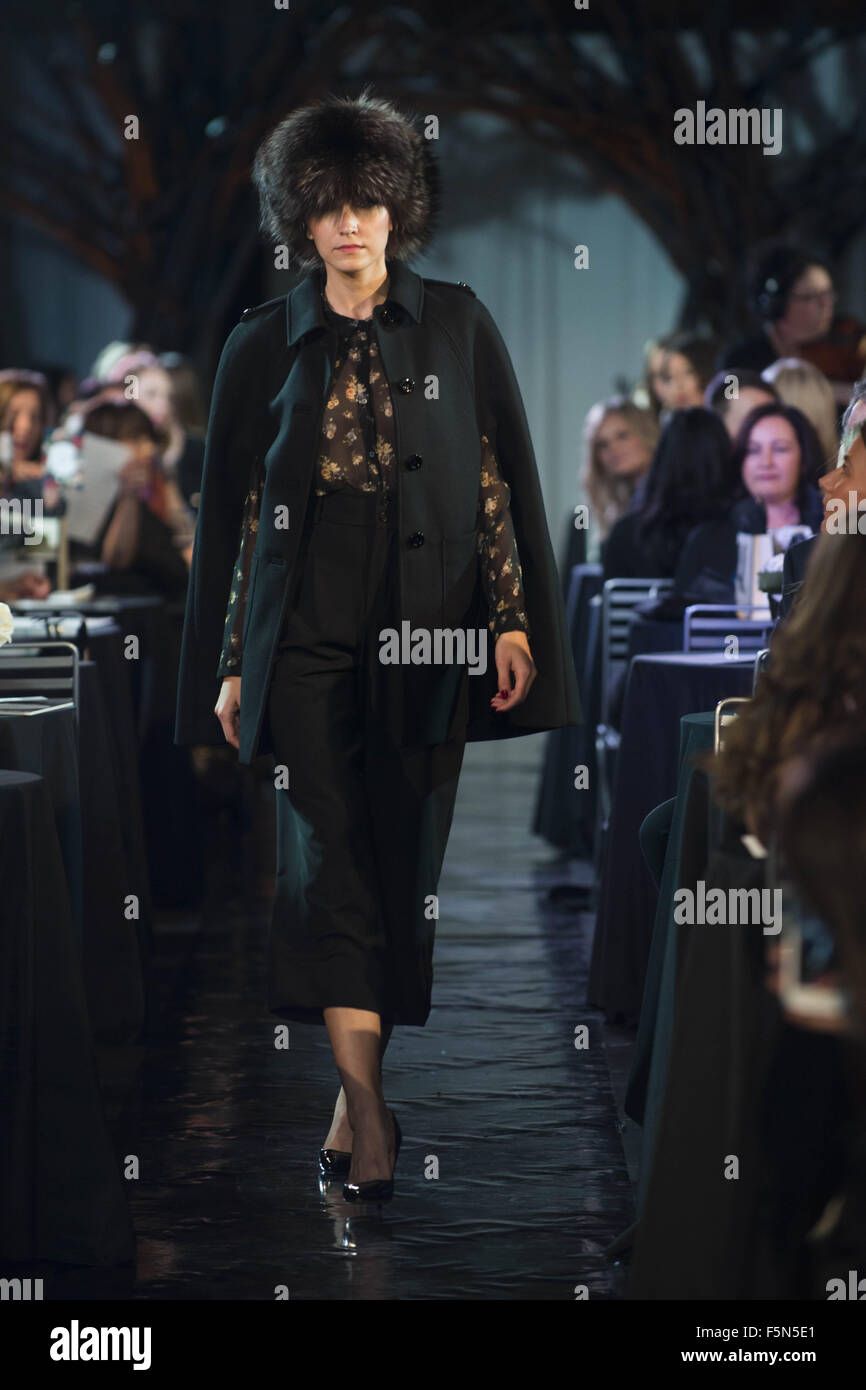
(360, 151)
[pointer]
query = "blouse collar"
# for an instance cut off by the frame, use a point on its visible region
(305, 309)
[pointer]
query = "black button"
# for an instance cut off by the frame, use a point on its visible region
(416, 539)
(406, 385)
(388, 317)
(414, 461)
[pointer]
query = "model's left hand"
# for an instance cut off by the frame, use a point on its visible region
(513, 658)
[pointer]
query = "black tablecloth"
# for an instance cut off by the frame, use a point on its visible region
(697, 1234)
(140, 617)
(106, 650)
(45, 743)
(170, 808)
(62, 1195)
(685, 857)
(660, 690)
(91, 810)
(564, 814)
(116, 893)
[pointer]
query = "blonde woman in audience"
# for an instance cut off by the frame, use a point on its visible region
(619, 441)
(799, 383)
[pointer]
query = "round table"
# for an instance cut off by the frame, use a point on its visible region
(660, 690)
(62, 1194)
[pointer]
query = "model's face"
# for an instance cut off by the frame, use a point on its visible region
(154, 394)
(771, 468)
(810, 306)
(24, 422)
(352, 239)
(739, 407)
(619, 449)
(679, 385)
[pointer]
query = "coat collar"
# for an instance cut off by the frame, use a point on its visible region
(304, 302)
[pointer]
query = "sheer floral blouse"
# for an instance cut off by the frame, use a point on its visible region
(357, 450)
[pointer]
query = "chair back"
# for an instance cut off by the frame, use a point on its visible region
(707, 625)
(761, 660)
(39, 669)
(620, 597)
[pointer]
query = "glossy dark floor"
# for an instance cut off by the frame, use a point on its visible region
(512, 1177)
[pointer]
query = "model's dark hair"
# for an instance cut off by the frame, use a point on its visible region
(690, 481)
(812, 462)
(357, 150)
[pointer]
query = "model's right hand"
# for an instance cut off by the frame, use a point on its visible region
(228, 709)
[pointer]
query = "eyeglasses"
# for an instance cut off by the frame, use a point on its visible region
(813, 296)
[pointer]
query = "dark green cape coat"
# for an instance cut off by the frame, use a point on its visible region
(451, 380)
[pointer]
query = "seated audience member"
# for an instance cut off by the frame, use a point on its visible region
(793, 298)
(808, 701)
(776, 458)
(147, 536)
(844, 484)
(189, 424)
(779, 458)
(799, 383)
(646, 394)
(618, 441)
(733, 394)
(181, 453)
(690, 481)
(24, 413)
(686, 369)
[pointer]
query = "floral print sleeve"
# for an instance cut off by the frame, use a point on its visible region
(497, 547)
(230, 658)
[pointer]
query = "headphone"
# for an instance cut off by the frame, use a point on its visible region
(776, 275)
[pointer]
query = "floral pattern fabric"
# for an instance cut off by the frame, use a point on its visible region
(357, 450)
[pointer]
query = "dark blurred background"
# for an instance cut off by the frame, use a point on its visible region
(555, 129)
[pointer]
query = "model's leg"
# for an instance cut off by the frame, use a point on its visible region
(356, 1040)
(340, 1133)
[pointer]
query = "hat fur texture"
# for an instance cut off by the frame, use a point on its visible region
(356, 150)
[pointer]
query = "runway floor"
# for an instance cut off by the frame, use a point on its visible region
(512, 1177)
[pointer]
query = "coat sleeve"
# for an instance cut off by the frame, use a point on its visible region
(234, 447)
(553, 700)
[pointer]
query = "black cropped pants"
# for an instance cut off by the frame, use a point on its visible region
(362, 825)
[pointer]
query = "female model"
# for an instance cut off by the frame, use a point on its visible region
(369, 486)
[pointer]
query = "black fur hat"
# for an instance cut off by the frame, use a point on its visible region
(360, 151)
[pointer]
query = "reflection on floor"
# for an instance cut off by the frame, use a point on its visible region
(512, 1177)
